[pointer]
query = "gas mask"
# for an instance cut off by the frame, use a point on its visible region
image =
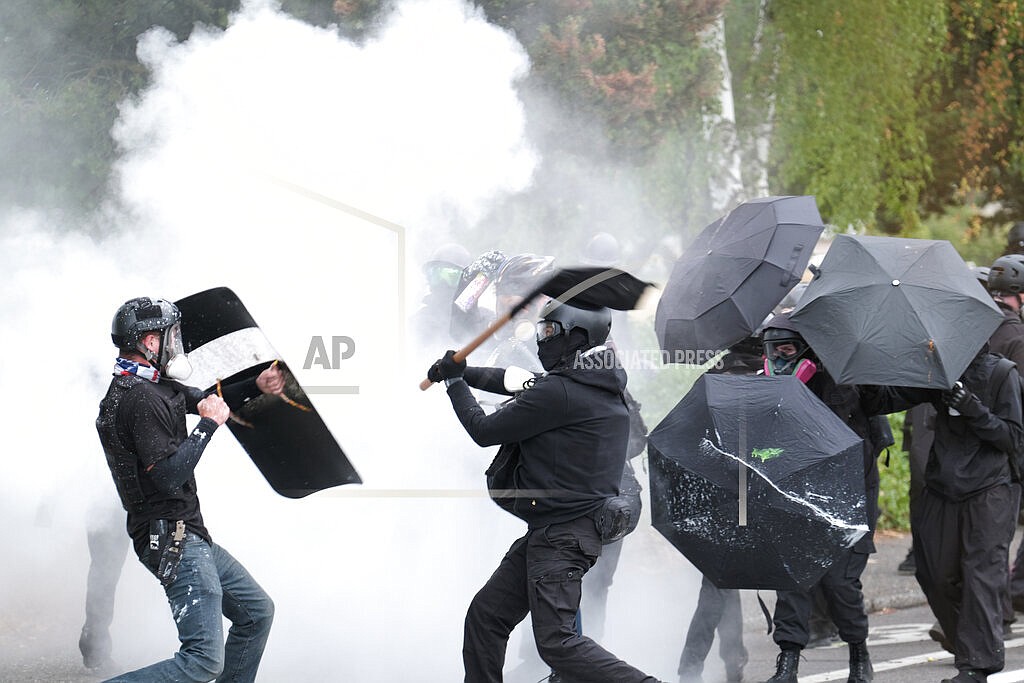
(785, 357)
(173, 362)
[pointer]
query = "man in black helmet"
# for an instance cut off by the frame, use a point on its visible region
(787, 353)
(152, 456)
(571, 426)
(1005, 284)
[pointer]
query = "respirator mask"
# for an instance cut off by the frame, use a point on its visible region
(785, 357)
(173, 362)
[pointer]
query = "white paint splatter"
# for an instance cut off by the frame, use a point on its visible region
(853, 532)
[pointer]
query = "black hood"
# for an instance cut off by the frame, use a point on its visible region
(597, 367)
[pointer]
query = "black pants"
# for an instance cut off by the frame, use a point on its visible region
(720, 609)
(108, 546)
(541, 574)
(842, 588)
(962, 552)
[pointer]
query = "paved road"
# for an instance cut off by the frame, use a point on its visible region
(900, 648)
(35, 645)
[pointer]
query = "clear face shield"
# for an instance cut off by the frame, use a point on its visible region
(173, 361)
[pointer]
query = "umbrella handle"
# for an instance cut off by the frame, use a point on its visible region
(472, 346)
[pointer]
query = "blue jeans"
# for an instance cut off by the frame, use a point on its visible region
(209, 583)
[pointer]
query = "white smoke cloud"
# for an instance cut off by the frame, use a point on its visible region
(421, 126)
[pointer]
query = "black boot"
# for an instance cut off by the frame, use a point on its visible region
(786, 665)
(860, 664)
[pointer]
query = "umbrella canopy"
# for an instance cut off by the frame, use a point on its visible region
(757, 482)
(895, 311)
(735, 272)
(593, 287)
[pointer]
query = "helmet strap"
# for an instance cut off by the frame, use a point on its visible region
(150, 357)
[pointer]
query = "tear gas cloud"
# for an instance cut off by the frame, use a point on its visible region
(422, 127)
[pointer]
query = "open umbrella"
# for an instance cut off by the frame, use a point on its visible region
(585, 287)
(737, 270)
(757, 482)
(895, 311)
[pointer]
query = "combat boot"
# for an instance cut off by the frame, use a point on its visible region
(860, 664)
(786, 665)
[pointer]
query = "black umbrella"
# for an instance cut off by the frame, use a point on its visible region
(585, 287)
(737, 269)
(896, 311)
(757, 482)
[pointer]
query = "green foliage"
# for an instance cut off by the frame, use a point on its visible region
(850, 84)
(975, 240)
(64, 67)
(980, 124)
(894, 488)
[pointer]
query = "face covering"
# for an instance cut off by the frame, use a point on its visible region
(557, 351)
(552, 351)
(173, 361)
(802, 368)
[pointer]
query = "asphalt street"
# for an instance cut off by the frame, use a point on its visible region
(34, 648)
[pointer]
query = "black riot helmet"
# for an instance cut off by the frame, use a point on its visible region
(559, 319)
(143, 314)
(1006, 276)
(1015, 238)
(138, 316)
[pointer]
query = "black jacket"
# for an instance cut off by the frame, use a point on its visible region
(1008, 339)
(572, 427)
(970, 453)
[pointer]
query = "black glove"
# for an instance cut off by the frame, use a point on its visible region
(962, 400)
(446, 368)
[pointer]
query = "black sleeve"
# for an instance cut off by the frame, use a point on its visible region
(878, 400)
(487, 379)
(1001, 425)
(533, 411)
(173, 471)
(153, 427)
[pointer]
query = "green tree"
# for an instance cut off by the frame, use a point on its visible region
(978, 127)
(848, 86)
(64, 67)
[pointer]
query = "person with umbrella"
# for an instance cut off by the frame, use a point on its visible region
(572, 427)
(965, 519)
(787, 353)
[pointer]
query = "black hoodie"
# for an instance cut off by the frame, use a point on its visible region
(970, 453)
(572, 426)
